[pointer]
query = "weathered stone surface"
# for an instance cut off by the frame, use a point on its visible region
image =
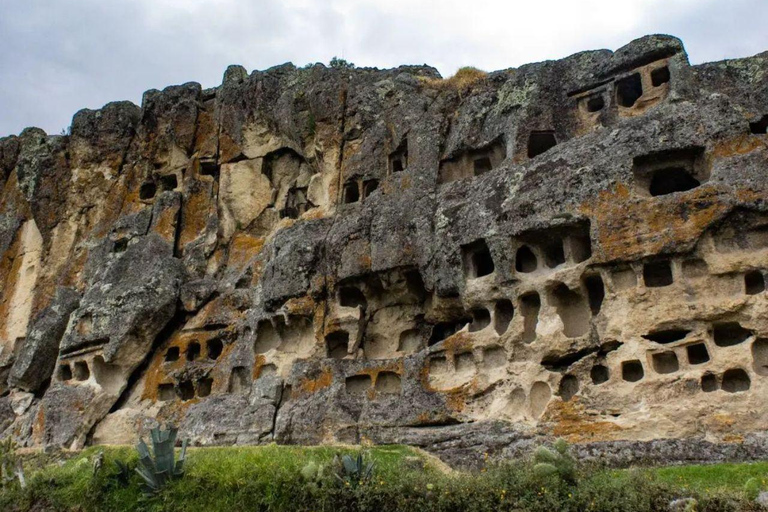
(573, 248)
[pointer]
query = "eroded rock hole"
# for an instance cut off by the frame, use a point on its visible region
(569, 386)
(165, 392)
(599, 374)
(169, 182)
(632, 371)
(238, 379)
(572, 309)
(595, 103)
(554, 255)
(727, 334)
(709, 383)
(209, 168)
(760, 126)
(398, 160)
(540, 142)
(186, 390)
(754, 282)
(735, 380)
(481, 318)
(539, 396)
(595, 292)
(266, 337)
(193, 351)
(494, 357)
(667, 335)
(351, 297)
(172, 354)
(81, 371)
(351, 192)
(465, 362)
(204, 386)
(660, 76)
(214, 347)
(120, 245)
(147, 190)
(482, 165)
(760, 356)
(665, 362)
(65, 373)
(525, 260)
(668, 181)
(444, 330)
(628, 90)
(581, 247)
(697, 353)
(503, 314)
(369, 187)
(477, 260)
(409, 342)
(337, 344)
(530, 304)
(624, 279)
(657, 274)
(388, 383)
(296, 203)
(358, 384)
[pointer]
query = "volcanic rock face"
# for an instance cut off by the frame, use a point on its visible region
(572, 248)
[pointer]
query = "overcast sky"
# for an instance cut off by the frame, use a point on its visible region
(59, 56)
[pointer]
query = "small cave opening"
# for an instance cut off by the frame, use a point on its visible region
(595, 292)
(267, 337)
(477, 260)
(581, 247)
(660, 76)
(697, 353)
(482, 165)
(599, 374)
(81, 371)
(665, 362)
(735, 380)
(209, 168)
(525, 260)
(147, 190)
(760, 356)
(569, 386)
(628, 90)
(657, 274)
(193, 351)
(388, 383)
(238, 379)
(669, 181)
(169, 182)
(369, 187)
(351, 297)
(186, 390)
(754, 282)
(443, 330)
(337, 344)
(214, 348)
(540, 142)
(204, 386)
(398, 160)
(481, 318)
(120, 245)
(595, 103)
(351, 192)
(665, 336)
(65, 373)
(172, 354)
(759, 127)
(632, 371)
(165, 392)
(530, 304)
(358, 384)
(397, 165)
(572, 309)
(503, 314)
(409, 341)
(709, 382)
(554, 255)
(728, 334)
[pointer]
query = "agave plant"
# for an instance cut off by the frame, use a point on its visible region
(10, 464)
(157, 471)
(355, 471)
(558, 462)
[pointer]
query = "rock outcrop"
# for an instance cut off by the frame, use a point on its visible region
(573, 248)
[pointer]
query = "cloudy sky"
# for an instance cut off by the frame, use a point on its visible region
(59, 56)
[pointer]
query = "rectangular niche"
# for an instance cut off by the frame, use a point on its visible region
(473, 162)
(670, 171)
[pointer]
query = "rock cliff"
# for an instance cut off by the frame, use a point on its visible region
(573, 248)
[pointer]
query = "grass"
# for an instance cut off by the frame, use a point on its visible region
(269, 478)
(463, 80)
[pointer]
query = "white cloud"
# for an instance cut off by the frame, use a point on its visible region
(60, 56)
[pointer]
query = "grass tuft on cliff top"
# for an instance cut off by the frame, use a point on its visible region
(268, 478)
